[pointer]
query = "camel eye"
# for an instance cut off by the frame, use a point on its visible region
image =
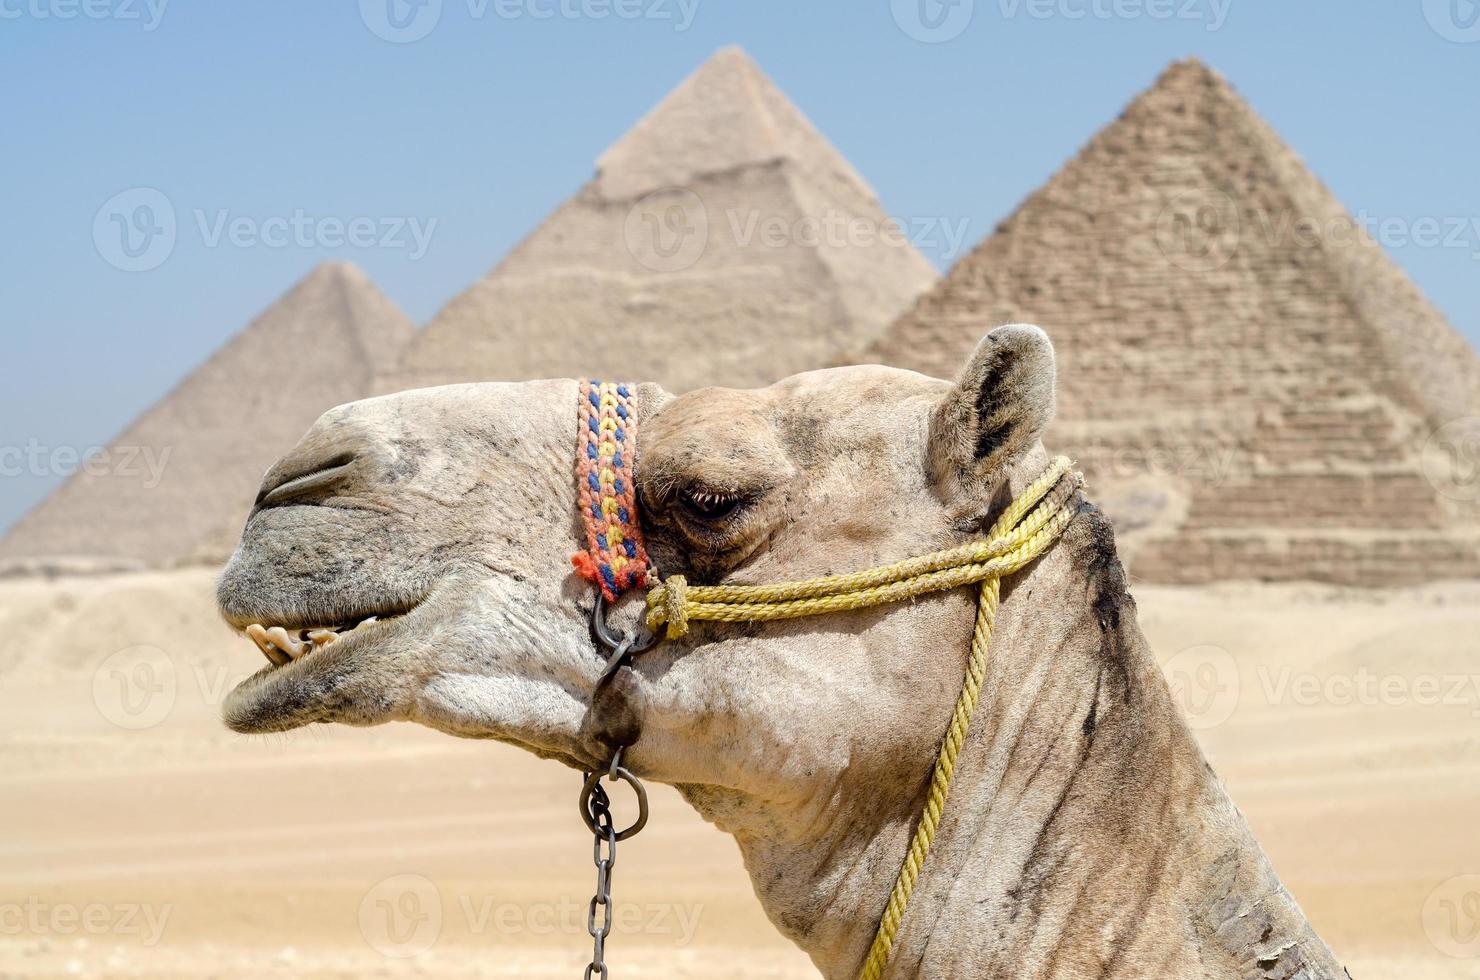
(709, 505)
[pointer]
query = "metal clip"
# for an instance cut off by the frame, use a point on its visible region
(621, 647)
(615, 771)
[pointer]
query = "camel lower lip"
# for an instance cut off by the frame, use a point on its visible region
(297, 691)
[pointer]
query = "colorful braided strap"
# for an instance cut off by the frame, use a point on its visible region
(615, 558)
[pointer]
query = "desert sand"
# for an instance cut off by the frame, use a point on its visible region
(141, 839)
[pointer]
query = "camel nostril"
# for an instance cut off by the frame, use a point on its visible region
(291, 484)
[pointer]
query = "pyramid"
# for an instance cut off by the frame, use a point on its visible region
(1252, 386)
(179, 481)
(721, 241)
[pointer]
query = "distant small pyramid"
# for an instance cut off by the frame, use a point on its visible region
(718, 243)
(1247, 378)
(176, 485)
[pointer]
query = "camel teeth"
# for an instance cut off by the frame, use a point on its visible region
(287, 643)
(259, 635)
(280, 646)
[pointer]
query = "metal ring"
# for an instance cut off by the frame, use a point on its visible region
(615, 661)
(592, 779)
(637, 642)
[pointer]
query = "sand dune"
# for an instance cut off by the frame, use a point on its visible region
(143, 840)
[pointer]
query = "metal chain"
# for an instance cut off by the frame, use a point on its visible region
(604, 854)
(596, 811)
(596, 805)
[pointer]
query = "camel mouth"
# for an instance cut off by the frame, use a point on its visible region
(282, 645)
(287, 637)
(314, 672)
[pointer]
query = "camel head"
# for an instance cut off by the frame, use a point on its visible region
(409, 560)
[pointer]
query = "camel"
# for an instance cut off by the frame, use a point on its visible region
(410, 560)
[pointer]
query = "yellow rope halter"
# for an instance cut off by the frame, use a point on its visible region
(1031, 523)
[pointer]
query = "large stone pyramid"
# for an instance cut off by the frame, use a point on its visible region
(722, 241)
(177, 483)
(1252, 386)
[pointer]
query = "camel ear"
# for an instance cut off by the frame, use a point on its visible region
(998, 409)
(650, 398)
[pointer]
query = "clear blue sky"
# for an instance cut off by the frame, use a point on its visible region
(277, 107)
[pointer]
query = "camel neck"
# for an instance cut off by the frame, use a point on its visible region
(1083, 827)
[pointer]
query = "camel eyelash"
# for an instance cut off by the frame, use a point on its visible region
(711, 505)
(711, 498)
(700, 506)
